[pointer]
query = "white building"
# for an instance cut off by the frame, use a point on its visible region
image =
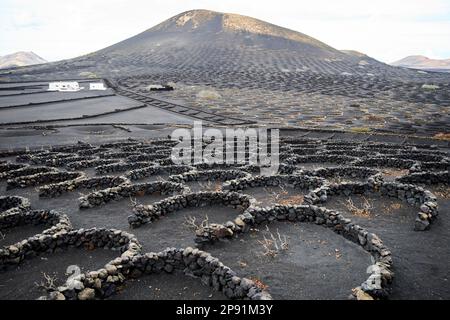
(64, 86)
(97, 86)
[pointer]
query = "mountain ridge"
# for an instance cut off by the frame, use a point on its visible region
(204, 41)
(422, 62)
(20, 59)
(232, 22)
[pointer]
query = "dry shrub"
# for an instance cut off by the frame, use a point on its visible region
(292, 200)
(395, 206)
(191, 223)
(89, 246)
(395, 172)
(338, 179)
(209, 185)
(273, 244)
(259, 283)
(209, 95)
(48, 283)
(282, 197)
(442, 192)
(88, 74)
(431, 87)
(374, 118)
(360, 129)
(442, 136)
(365, 211)
(140, 193)
(337, 254)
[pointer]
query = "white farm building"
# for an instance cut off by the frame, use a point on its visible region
(97, 86)
(64, 86)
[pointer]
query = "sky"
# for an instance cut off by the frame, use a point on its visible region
(387, 30)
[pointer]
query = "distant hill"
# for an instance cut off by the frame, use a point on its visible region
(20, 59)
(202, 42)
(208, 40)
(200, 27)
(424, 63)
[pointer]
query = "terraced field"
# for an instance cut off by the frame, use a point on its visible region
(313, 100)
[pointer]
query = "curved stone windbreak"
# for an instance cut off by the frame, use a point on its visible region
(428, 152)
(8, 203)
(392, 148)
(420, 156)
(12, 153)
(165, 162)
(428, 178)
(380, 146)
(370, 174)
(330, 146)
(282, 168)
(147, 213)
(71, 148)
(58, 159)
(337, 159)
(441, 166)
(28, 156)
(137, 174)
(107, 281)
(380, 279)
(26, 171)
(44, 157)
(144, 148)
(296, 141)
(209, 175)
(55, 190)
(83, 164)
(300, 181)
(92, 151)
(149, 157)
(345, 152)
(6, 167)
(304, 151)
(168, 143)
(64, 161)
(121, 144)
(87, 238)
(55, 220)
(104, 196)
(122, 166)
(409, 193)
(385, 162)
(116, 155)
(216, 166)
(42, 178)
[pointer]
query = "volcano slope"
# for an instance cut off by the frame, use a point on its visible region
(92, 206)
(232, 65)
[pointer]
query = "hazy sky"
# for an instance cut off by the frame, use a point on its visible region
(387, 30)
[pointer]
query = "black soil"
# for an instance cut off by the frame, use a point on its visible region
(13, 235)
(316, 258)
(22, 282)
(421, 259)
(163, 286)
(268, 196)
